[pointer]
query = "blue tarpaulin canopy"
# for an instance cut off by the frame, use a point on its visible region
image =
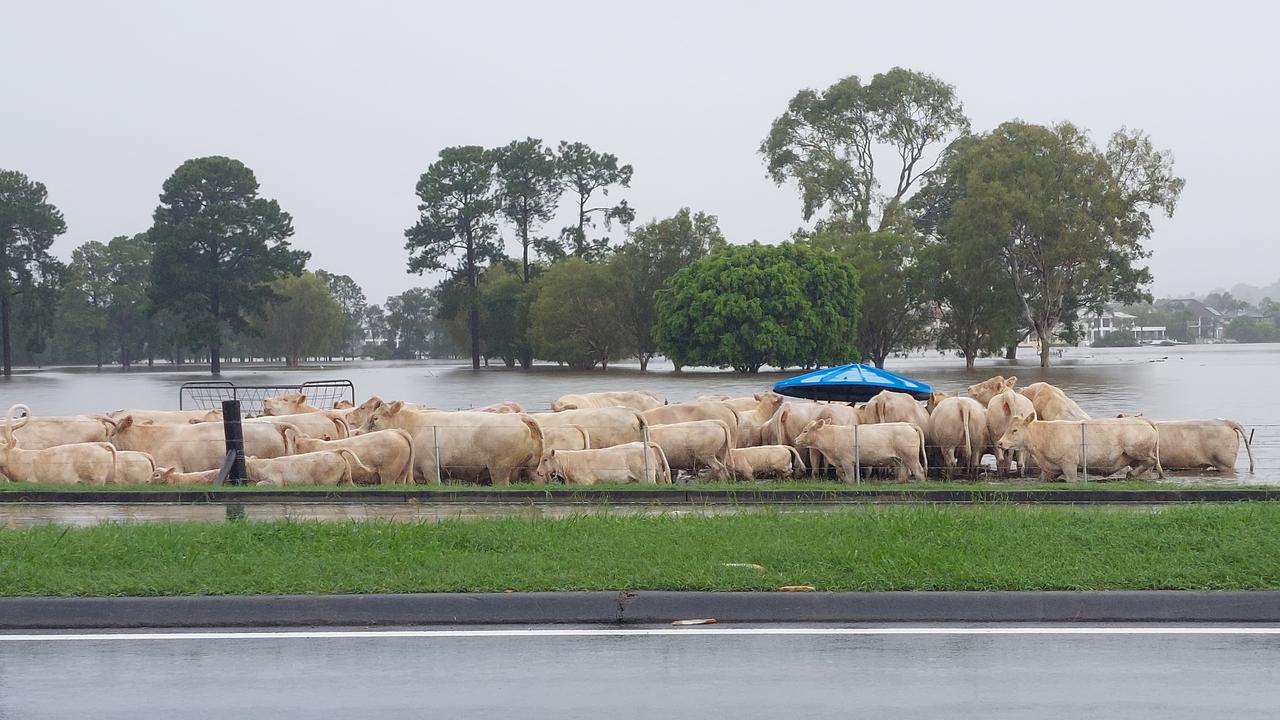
(850, 383)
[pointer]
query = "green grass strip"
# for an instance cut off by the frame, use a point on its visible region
(888, 548)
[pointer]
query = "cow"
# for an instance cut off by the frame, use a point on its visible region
(506, 406)
(321, 424)
(989, 388)
(937, 397)
(632, 462)
(89, 462)
(322, 467)
(695, 444)
(470, 443)
(1201, 444)
(133, 468)
(875, 445)
(356, 417)
(1109, 446)
(388, 454)
(1051, 403)
(566, 437)
(787, 423)
(202, 446)
(753, 415)
(635, 399)
(37, 432)
(958, 430)
(781, 460)
(684, 412)
(1001, 410)
(607, 426)
(889, 406)
(171, 476)
(291, 403)
(168, 417)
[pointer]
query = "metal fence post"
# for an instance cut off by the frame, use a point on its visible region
(644, 447)
(1084, 452)
(435, 441)
(233, 432)
(857, 458)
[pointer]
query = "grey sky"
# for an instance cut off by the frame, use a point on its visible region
(338, 107)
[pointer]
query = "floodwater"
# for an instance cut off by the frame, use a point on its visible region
(936, 672)
(1196, 381)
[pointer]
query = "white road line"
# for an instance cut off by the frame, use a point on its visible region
(627, 632)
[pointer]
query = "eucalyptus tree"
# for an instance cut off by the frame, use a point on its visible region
(529, 189)
(826, 141)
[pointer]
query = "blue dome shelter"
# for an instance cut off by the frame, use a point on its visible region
(854, 382)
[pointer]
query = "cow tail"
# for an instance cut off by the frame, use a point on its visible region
(642, 424)
(535, 430)
(1243, 436)
(728, 445)
(341, 426)
(350, 458)
(288, 434)
(108, 424)
(964, 418)
(111, 476)
(586, 437)
(924, 456)
(797, 462)
(665, 467)
(407, 476)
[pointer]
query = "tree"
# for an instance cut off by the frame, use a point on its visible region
(1252, 330)
(378, 342)
(584, 172)
(826, 141)
(529, 189)
(1224, 303)
(347, 293)
(642, 266)
(29, 224)
(130, 272)
(218, 246)
(1068, 219)
(457, 213)
(303, 321)
(895, 286)
(745, 306)
(576, 318)
(85, 309)
(409, 319)
(504, 316)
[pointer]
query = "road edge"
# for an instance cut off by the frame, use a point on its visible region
(637, 607)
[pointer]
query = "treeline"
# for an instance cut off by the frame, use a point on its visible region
(969, 242)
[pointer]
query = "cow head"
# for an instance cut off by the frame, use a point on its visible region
(547, 466)
(768, 402)
(989, 388)
(936, 398)
(360, 417)
(163, 476)
(808, 436)
(386, 415)
(1015, 438)
(122, 426)
(343, 405)
(290, 403)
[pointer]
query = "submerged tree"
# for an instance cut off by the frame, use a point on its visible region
(457, 207)
(218, 246)
(576, 318)
(303, 321)
(29, 224)
(1067, 220)
(655, 251)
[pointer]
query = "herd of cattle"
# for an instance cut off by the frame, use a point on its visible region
(616, 437)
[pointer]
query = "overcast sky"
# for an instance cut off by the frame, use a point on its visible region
(339, 107)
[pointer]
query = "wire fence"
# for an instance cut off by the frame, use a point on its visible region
(209, 394)
(504, 450)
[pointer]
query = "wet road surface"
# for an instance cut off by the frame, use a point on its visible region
(705, 672)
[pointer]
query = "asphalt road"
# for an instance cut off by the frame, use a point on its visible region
(706, 672)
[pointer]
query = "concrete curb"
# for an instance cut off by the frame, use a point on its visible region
(637, 607)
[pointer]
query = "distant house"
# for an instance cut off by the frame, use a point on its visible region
(1206, 324)
(1095, 326)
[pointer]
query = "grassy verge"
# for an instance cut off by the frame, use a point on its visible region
(888, 548)
(822, 485)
